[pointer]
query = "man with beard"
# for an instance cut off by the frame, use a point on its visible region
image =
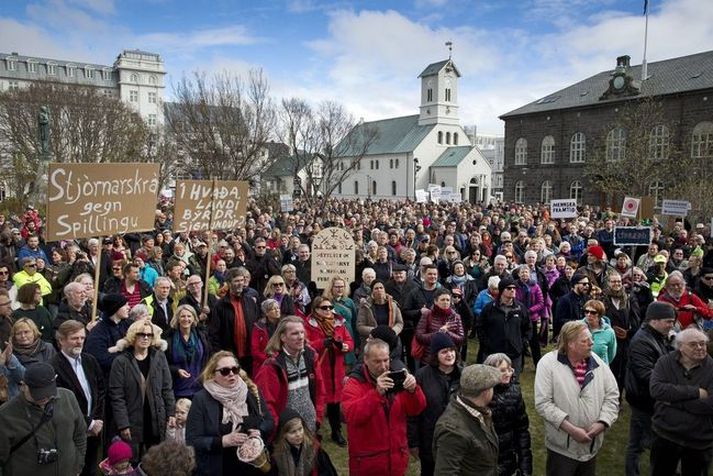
(499, 269)
(688, 305)
(76, 307)
(80, 373)
(570, 307)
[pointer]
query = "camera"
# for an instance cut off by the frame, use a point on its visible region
(47, 456)
(398, 377)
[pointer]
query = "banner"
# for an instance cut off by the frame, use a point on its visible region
(630, 207)
(286, 204)
(436, 193)
(632, 235)
(85, 200)
(332, 255)
(676, 208)
(421, 196)
(210, 205)
(563, 208)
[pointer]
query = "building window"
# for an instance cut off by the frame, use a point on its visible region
(356, 187)
(339, 188)
(373, 187)
(51, 69)
(376, 164)
(393, 188)
(519, 191)
(391, 163)
(455, 138)
(429, 95)
(397, 164)
(88, 72)
(575, 191)
(134, 78)
(70, 70)
(440, 137)
(547, 151)
(152, 97)
(13, 85)
(656, 191)
(133, 96)
(11, 64)
(616, 144)
(448, 138)
(521, 151)
(448, 94)
(152, 79)
(577, 148)
(31, 67)
(106, 74)
(546, 191)
(152, 119)
(108, 93)
(702, 140)
(658, 143)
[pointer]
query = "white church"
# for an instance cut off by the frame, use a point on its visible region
(430, 148)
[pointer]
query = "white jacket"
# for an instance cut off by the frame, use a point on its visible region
(558, 396)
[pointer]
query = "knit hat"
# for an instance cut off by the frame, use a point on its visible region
(119, 452)
(386, 334)
(505, 282)
(287, 415)
(596, 251)
(111, 303)
(478, 377)
(440, 341)
(660, 310)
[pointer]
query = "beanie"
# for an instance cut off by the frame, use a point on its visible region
(111, 303)
(596, 251)
(504, 283)
(440, 341)
(119, 451)
(660, 310)
(387, 334)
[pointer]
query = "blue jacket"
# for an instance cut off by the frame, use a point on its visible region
(14, 371)
(104, 335)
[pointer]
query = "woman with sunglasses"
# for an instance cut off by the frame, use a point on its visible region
(141, 389)
(328, 335)
(276, 289)
(602, 333)
(227, 411)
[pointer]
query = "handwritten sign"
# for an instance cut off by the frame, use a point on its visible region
(286, 204)
(632, 235)
(421, 196)
(332, 255)
(85, 200)
(563, 208)
(676, 208)
(210, 204)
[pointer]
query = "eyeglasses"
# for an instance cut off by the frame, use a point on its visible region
(225, 371)
(591, 311)
(338, 286)
(325, 308)
(260, 247)
(144, 335)
(584, 284)
(116, 269)
(31, 265)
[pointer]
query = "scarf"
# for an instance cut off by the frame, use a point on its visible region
(233, 400)
(28, 349)
(285, 456)
(239, 328)
(325, 323)
(459, 280)
(185, 351)
(219, 276)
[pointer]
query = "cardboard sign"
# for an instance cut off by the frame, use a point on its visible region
(676, 208)
(632, 235)
(332, 255)
(421, 196)
(436, 193)
(85, 200)
(210, 205)
(630, 207)
(286, 204)
(563, 208)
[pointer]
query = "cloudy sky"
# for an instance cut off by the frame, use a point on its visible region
(368, 53)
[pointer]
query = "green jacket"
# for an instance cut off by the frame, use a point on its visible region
(67, 432)
(464, 444)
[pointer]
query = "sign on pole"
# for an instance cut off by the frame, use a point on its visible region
(632, 235)
(332, 255)
(421, 196)
(210, 204)
(436, 193)
(85, 200)
(286, 204)
(630, 207)
(563, 208)
(676, 208)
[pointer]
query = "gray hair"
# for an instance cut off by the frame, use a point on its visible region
(375, 344)
(267, 304)
(493, 282)
(138, 311)
(531, 253)
(73, 286)
(160, 279)
(367, 271)
(689, 334)
(500, 258)
(675, 274)
(494, 360)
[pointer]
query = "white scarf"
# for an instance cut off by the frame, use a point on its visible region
(233, 399)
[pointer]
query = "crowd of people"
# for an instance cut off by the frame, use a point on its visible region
(215, 353)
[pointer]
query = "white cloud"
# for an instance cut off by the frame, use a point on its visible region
(104, 7)
(236, 35)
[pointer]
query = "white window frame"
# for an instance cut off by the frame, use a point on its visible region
(521, 151)
(32, 66)
(547, 150)
(578, 148)
(702, 140)
(11, 64)
(519, 191)
(88, 72)
(133, 95)
(616, 145)
(576, 191)
(546, 191)
(71, 69)
(659, 142)
(152, 97)
(52, 69)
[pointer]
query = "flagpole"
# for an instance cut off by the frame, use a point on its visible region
(644, 68)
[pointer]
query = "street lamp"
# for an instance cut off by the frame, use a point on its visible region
(416, 168)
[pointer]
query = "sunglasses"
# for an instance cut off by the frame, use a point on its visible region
(4, 273)
(144, 335)
(706, 278)
(590, 311)
(225, 371)
(31, 265)
(278, 284)
(325, 308)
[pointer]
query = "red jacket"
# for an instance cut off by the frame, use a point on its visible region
(271, 379)
(258, 342)
(330, 361)
(376, 425)
(685, 317)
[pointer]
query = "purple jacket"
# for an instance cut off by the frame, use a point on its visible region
(530, 295)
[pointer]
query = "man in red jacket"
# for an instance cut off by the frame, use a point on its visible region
(688, 305)
(376, 403)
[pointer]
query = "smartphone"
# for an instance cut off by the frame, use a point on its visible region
(398, 376)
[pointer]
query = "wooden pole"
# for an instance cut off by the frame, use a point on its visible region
(210, 247)
(97, 269)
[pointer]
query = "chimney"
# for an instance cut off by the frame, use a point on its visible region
(623, 62)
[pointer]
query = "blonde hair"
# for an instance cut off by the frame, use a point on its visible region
(275, 343)
(29, 323)
(208, 373)
(569, 333)
(328, 290)
(184, 403)
(177, 314)
(139, 326)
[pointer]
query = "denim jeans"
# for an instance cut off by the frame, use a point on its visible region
(639, 439)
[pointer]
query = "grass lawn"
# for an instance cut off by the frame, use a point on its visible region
(610, 460)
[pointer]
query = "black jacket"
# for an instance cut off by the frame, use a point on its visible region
(645, 349)
(66, 378)
(261, 269)
(570, 307)
(438, 392)
(501, 332)
(399, 292)
(221, 325)
(512, 426)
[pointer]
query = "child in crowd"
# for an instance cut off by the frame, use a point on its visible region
(178, 433)
(118, 460)
(295, 450)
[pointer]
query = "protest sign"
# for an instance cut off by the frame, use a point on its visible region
(286, 204)
(436, 193)
(632, 235)
(421, 196)
(85, 200)
(676, 208)
(563, 208)
(332, 256)
(630, 207)
(210, 204)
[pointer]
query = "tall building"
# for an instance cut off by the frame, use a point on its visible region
(492, 146)
(549, 142)
(136, 77)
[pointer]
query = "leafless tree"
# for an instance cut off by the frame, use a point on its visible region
(223, 123)
(325, 142)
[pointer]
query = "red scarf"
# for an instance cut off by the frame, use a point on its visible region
(240, 334)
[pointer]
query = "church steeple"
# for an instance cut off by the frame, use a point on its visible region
(439, 93)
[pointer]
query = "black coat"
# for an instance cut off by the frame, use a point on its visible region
(66, 378)
(434, 384)
(645, 349)
(503, 332)
(261, 269)
(399, 292)
(512, 426)
(204, 432)
(222, 324)
(570, 307)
